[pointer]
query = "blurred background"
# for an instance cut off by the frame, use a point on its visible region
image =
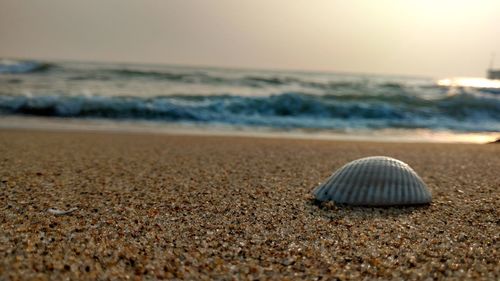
(420, 69)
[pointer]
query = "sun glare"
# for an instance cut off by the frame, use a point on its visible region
(469, 82)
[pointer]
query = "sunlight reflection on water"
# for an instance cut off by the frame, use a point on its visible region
(469, 82)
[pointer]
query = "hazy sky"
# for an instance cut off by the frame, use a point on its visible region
(424, 37)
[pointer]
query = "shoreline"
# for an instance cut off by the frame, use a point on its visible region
(148, 127)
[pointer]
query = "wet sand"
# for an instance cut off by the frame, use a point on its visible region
(200, 207)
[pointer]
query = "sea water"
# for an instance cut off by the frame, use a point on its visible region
(250, 99)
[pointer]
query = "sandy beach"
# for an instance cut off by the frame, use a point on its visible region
(153, 206)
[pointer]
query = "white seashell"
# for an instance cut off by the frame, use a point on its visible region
(374, 181)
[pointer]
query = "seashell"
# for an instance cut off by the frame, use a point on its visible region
(374, 181)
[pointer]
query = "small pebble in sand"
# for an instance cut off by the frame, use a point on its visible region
(61, 212)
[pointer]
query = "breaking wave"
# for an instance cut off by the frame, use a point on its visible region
(22, 66)
(463, 112)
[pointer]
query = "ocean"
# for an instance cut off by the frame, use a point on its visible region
(249, 99)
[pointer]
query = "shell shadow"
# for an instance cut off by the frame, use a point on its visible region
(331, 210)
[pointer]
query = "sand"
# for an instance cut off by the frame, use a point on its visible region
(200, 207)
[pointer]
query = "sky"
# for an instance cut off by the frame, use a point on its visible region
(438, 38)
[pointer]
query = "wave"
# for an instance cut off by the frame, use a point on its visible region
(200, 77)
(285, 81)
(464, 112)
(92, 72)
(22, 66)
(252, 80)
(212, 78)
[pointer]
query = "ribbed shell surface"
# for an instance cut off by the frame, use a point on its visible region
(374, 181)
